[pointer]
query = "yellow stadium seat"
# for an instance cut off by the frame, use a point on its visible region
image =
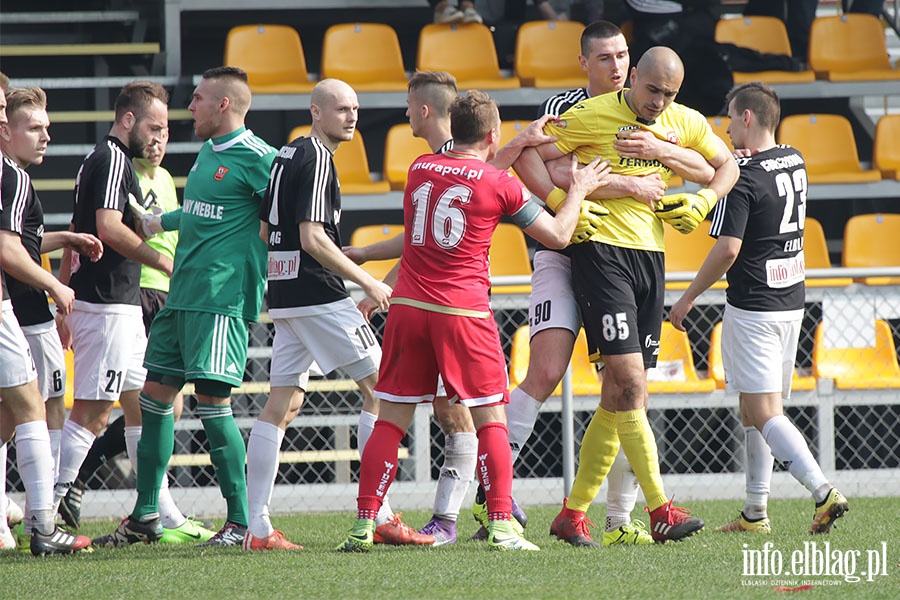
(763, 34)
(815, 254)
(45, 263)
(720, 128)
(675, 363)
(365, 55)
(872, 367)
(466, 51)
(828, 147)
(272, 56)
(509, 256)
(849, 47)
(687, 253)
(871, 241)
(717, 369)
(886, 155)
(585, 381)
(400, 150)
(352, 165)
(547, 54)
(370, 234)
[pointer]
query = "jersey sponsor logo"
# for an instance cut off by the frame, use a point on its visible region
(785, 272)
(445, 169)
(630, 128)
(649, 342)
(220, 173)
(642, 162)
(283, 265)
(204, 209)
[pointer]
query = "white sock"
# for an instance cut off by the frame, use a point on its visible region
(789, 446)
(457, 474)
(3, 499)
(521, 414)
(621, 495)
(73, 448)
(758, 463)
(262, 467)
(55, 441)
(363, 433)
(169, 514)
(36, 470)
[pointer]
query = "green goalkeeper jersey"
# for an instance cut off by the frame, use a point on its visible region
(220, 261)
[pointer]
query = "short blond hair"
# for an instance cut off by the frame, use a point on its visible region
(19, 98)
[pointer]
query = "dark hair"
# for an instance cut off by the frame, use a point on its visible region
(598, 30)
(137, 96)
(225, 73)
(759, 98)
(472, 116)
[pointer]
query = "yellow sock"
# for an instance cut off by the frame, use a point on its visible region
(598, 451)
(639, 445)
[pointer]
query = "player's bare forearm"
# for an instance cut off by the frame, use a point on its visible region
(726, 175)
(686, 162)
(689, 164)
(534, 174)
(720, 258)
(385, 249)
(113, 232)
(317, 244)
(18, 263)
(532, 135)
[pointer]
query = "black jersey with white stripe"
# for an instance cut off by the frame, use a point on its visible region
(105, 181)
(303, 186)
(23, 215)
(766, 209)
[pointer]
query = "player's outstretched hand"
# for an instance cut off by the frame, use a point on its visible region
(679, 311)
(64, 298)
(147, 223)
(533, 134)
(88, 245)
(379, 293)
(649, 189)
(62, 329)
(685, 211)
(588, 178)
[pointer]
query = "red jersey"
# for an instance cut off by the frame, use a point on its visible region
(451, 206)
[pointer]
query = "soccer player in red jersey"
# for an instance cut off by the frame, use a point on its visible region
(441, 321)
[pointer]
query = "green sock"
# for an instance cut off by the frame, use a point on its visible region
(228, 455)
(154, 451)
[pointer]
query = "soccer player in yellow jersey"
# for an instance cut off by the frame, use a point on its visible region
(618, 275)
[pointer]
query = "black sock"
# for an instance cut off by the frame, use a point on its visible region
(105, 447)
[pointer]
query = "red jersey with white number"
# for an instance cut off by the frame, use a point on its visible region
(451, 206)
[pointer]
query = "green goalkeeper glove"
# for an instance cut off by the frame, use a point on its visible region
(589, 221)
(684, 212)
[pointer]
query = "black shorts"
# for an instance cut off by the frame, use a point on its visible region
(152, 302)
(621, 293)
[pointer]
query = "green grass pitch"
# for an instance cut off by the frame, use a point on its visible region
(708, 565)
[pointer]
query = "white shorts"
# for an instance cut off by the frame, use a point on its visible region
(109, 344)
(759, 349)
(553, 304)
(338, 338)
(16, 365)
(46, 349)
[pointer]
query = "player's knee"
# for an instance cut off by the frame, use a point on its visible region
(543, 377)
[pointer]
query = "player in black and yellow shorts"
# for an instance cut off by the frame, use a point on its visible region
(618, 275)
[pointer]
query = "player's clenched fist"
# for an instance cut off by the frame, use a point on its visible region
(685, 211)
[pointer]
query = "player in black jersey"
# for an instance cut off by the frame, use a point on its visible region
(109, 366)
(758, 228)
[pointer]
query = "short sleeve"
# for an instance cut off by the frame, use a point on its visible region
(571, 130)
(732, 212)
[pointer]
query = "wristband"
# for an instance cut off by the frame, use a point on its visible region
(555, 199)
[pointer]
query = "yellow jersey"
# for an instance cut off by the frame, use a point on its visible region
(589, 129)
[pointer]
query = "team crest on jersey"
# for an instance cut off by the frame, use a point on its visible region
(672, 138)
(220, 173)
(562, 123)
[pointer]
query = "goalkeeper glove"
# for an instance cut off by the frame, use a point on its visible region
(146, 223)
(684, 212)
(589, 221)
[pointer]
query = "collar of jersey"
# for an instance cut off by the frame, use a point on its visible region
(122, 145)
(230, 139)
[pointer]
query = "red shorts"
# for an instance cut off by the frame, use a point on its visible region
(418, 344)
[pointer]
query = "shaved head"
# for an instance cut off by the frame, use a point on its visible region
(661, 61)
(231, 83)
(327, 90)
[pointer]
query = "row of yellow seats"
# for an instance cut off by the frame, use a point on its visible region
(849, 47)
(829, 146)
(869, 241)
(368, 56)
(851, 368)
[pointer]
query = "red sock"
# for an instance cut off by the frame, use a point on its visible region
(377, 468)
(494, 469)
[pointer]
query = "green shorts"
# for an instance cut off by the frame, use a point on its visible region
(196, 345)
